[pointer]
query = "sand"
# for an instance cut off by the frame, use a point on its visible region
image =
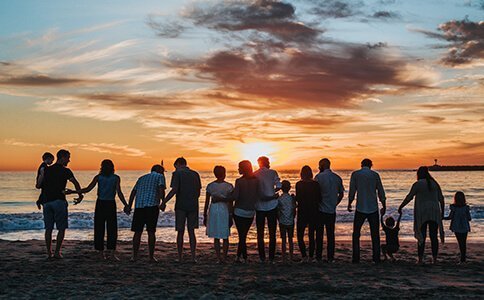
(25, 273)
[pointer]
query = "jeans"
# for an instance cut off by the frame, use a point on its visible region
(243, 226)
(302, 223)
(462, 239)
(105, 217)
(374, 231)
(260, 218)
(325, 221)
(433, 230)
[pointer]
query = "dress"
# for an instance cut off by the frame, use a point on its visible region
(218, 212)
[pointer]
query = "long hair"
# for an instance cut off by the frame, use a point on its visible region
(460, 199)
(423, 173)
(107, 167)
(306, 173)
(245, 168)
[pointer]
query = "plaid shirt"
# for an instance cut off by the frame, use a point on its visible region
(147, 189)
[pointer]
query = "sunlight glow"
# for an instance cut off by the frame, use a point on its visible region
(252, 151)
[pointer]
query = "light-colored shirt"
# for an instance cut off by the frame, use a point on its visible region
(147, 188)
(331, 186)
(366, 183)
(286, 209)
(268, 182)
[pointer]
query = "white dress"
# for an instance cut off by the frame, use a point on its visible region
(218, 213)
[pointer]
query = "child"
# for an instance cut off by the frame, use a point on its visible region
(105, 215)
(286, 212)
(460, 216)
(47, 160)
(391, 234)
(217, 219)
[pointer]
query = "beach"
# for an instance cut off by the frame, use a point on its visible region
(25, 273)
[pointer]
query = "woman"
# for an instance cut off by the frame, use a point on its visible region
(428, 211)
(308, 196)
(109, 184)
(246, 194)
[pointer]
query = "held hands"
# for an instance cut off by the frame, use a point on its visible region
(400, 210)
(349, 207)
(383, 210)
(78, 199)
(205, 220)
(163, 206)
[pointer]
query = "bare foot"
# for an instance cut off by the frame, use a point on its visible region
(153, 259)
(115, 258)
(133, 258)
(58, 255)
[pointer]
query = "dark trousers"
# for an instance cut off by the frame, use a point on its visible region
(374, 231)
(243, 226)
(327, 221)
(433, 230)
(302, 223)
(260, 220)
(462, 240)
(105, 218)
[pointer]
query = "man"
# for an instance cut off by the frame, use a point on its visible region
(186, 185)
(266, 207)
(366, 184)
(54, 180)
(332, 192)
(148, 191)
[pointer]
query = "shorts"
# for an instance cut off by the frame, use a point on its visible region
(145, 216)
(188, 217)
(55, 212)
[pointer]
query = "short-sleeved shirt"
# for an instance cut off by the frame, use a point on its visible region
(220, 189)
(188, 185)
(366, 185)
(55, 181)
(391, 235)
(286, 209)
(331, 186)
(147, 188)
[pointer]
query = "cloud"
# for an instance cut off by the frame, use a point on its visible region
(108, 148)
(466, 40)
(165, 29)
(336, 8)
(42, 81)
(386, 15)
(433, 119)
(275, 18)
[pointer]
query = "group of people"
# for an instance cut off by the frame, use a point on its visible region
(260, 194)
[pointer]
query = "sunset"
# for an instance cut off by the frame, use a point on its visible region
(147, 97)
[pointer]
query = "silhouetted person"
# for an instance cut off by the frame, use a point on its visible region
(286, 212)
(216, 212)
(148, 191)
(391, 236)
(332, 192)
(246, 194)
(308, 197)
(428, 211)
(47, 160)
(186, 185)
(366, 185)
(266, 207)
(54, 183)
(460, 216)
(105, 214)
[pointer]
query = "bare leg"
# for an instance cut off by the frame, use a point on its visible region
(225, 249)
(136, 243)
(179, 244)
(391, 257)
(48, 242)
(193, 244)
(58, 243)
(216, 244)
(291, 244)
(151, 245)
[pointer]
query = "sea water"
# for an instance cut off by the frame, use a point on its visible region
(21, 220)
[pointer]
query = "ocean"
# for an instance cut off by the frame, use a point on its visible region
(20, 219)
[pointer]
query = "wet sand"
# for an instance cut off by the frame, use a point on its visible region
(25, 273)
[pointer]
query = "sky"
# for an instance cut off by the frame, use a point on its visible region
(400, 82)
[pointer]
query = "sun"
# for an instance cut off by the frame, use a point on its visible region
(252, 151)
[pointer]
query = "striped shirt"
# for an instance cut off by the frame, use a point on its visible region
(147, 188)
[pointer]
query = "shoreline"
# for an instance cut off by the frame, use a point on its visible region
(25, 273)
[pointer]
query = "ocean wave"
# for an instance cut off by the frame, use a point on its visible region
(85, 220)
